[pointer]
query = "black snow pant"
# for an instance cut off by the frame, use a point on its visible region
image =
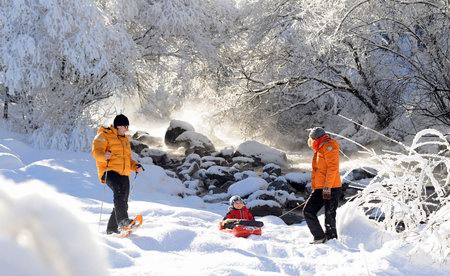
(313, 205)
(120, 185)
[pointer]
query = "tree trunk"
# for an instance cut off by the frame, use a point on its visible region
(5, 106)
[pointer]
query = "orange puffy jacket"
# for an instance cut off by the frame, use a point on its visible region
(325, 165)
(107, 139)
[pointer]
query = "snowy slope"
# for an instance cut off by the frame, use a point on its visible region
(179, 235)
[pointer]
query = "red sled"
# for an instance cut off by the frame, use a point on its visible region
(242, 231)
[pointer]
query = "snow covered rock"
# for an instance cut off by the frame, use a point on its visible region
(245, 174)
(263, 208)
(189, 172)
(207, 164)
(264, 195)
(298, 180)
(195, 142)
(220, 161)
(227, 153)
(176, 128)
(245, 163)
(190, 165)
(159, 157)
(214, 187)
(284, 198)
(265, 153)
(147, 139)
(272, 169)
(137, 146)
(220, 173)
(247, 186)
(242, 159)
(191, 158)
(280, 184)
(362, 173)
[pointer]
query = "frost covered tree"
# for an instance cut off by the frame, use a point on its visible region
(59, 57)
(296, 64)
(424, 31)
(179, 47)
(308, 61)
(409, 39)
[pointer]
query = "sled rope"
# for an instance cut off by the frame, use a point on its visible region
(299, 205)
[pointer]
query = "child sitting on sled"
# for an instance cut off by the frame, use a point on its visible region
(238, 214)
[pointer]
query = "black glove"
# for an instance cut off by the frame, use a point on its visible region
(140, 166)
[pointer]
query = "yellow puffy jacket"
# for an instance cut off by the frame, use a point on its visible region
(107, 139)
(325, 166)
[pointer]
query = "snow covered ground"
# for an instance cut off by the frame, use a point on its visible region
(50, 205)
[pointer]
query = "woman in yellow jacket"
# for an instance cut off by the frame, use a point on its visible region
(326, 185)
(112, 153)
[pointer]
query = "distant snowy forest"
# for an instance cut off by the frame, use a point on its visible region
(266, 66)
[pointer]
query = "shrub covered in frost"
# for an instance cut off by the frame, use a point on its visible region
(411, 189)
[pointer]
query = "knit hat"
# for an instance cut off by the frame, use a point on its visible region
(121, 120)
(235, 198)
(316, 132)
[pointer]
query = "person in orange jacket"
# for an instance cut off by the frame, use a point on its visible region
(326, 185)
(111, 150)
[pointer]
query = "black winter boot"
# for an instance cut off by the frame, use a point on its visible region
(125, 223)
(112, 231)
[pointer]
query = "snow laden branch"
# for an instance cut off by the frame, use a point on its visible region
(411, 190)
(348, 13)
(300, 103)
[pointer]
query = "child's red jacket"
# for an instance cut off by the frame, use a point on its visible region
(243, 213)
